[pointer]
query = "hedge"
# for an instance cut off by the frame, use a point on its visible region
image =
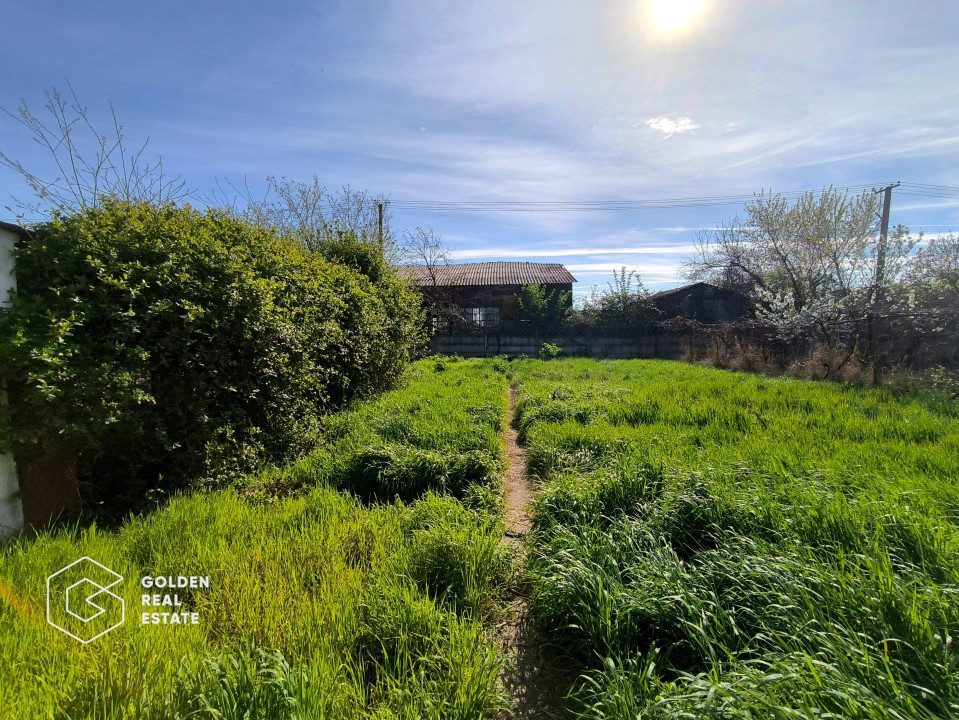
(165, 345)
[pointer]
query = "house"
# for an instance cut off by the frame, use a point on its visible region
(484, 294)
(703, 302)
(11, 506)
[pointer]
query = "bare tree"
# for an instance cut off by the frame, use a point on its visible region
(425, 247)
(87, 165)
(821, 273)
(312, 214)
(824, 243)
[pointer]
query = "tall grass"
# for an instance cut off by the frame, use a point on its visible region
(441, 430)
(710, 544)
(321, 603)
(317, 606)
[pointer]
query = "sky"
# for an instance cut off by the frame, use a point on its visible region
(562, 107)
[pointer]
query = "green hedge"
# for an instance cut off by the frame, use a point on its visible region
(164, 342)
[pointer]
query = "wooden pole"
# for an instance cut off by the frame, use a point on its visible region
(879, 280)
(379, 207)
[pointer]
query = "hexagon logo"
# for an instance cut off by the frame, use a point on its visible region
(79, 601)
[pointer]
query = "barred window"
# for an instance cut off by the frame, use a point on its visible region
(483, 316)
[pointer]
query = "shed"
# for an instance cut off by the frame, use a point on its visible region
(484, 294)
(703, 302)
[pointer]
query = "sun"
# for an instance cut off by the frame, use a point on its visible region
(673, 16)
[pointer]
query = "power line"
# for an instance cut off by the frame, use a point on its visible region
(601, 205)
(620, 205)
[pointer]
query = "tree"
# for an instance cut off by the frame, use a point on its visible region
(425, 247)
(826, 242)
(88, 165)
(817, 262)
(937, 263)
(826, 279)
(930, 323)
(624, 303)
(316, 217)
(538, 305)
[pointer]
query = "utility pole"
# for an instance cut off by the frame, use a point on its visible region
(379, 206)
(879, 279)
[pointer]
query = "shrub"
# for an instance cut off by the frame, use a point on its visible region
(549, 351)
(538, 305)
(163, 342)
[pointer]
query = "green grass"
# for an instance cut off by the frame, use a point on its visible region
(321, 603)
(357, 610)
(712, 544)
(705, 544)
(440, 431)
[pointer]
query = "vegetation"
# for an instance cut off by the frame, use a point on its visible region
(313, 216)
(159, 341)
(549, 351)
(710, 544)
(86, 165)
(623, 304)
(536, 304)
(705, 544)
(318, 606)
(440, 431)
(831, 288)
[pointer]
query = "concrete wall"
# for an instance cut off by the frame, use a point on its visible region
(596, 346)
(11, 509)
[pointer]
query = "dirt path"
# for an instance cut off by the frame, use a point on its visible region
(519, 495)
(533, 677)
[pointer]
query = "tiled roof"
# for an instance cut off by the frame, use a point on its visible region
(489, 273)
(687, 289)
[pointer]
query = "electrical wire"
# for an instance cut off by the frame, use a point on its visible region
(914, 189)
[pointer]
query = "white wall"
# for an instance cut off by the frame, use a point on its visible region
(11, 511)
(8, 280)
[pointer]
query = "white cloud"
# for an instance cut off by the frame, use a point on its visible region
(551, 100)
(668, 126)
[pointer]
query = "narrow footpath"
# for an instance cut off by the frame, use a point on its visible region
(519, 495)
(532, 677)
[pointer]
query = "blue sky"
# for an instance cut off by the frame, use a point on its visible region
(540, 101)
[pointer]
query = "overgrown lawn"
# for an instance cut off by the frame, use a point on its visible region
(325, 600)
(713, 544)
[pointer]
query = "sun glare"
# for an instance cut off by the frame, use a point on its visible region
(673, 16)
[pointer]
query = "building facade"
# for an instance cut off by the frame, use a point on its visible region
(702, 302)
(484, 295)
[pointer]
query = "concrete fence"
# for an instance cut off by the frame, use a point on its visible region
(594, 344)
(11, 507)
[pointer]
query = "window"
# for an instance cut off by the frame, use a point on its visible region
(482, 316)
(439, 321)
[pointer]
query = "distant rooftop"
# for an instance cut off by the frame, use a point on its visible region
(687, 289)
(489, 273)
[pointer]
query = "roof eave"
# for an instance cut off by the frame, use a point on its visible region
(11, 227)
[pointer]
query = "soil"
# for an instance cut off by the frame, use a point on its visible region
(519, 494)
(533, 676)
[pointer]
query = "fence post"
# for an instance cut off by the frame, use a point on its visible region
(11, 507)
